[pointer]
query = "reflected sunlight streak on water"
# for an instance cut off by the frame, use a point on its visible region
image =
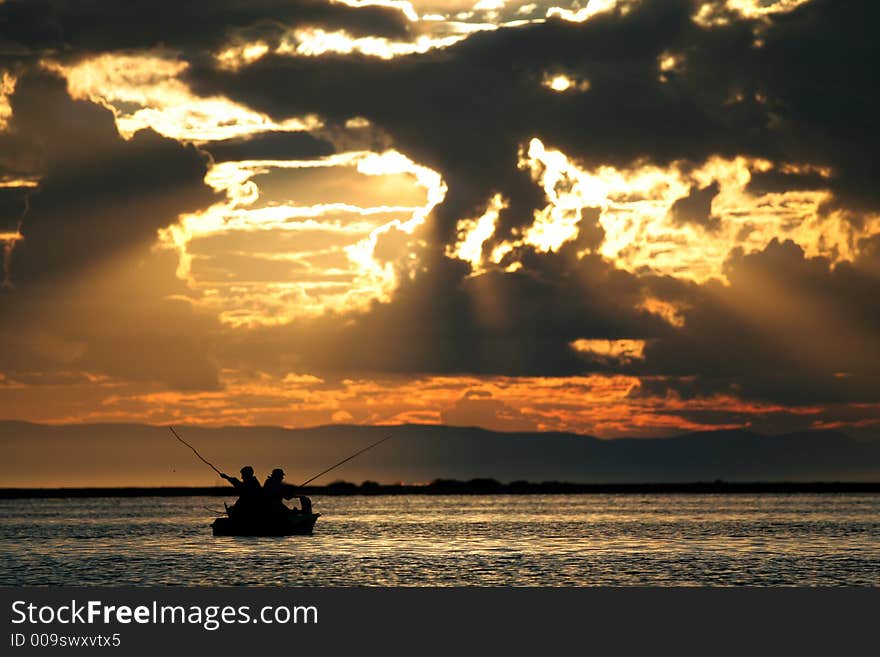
(653, 540)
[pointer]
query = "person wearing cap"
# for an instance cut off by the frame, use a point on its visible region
(276, 491)
(248, 488)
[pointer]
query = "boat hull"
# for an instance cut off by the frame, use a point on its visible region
(294, 524)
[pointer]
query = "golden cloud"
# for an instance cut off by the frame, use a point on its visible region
(7, 86)
(640, 233)
(337, 262)
(145, 91)
(618, 352)
(713, 13)
(602, 405)
(593, 7)
(561, 82)
(473, 233)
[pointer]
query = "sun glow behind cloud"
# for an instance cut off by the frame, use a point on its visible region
(715, 12)
(473, 233)
(7, 86)
(145, 91)
(283, 247)
(640, 232)
(671, 313)
(405, 7)
(594, 7)
(619, 352)
(437, 24)
(9, 232)
(314, 42)
(342, 273)
(561, 83)
(434, 24)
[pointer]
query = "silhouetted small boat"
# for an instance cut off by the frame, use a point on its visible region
(284, 524)
(257, 513)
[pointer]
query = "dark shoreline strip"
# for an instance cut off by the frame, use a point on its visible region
(474, 487)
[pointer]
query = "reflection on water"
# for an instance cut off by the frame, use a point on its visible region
(554, 540)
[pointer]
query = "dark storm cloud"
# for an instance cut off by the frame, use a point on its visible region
(806, 94)
(467, 110)
(270, 146)
(87, 293)
(13, 201)
(99, 193)
(818, 69)
(770, 182)
(789, 328)
(696, 207)
(32, 28)
(795, 87)
(18, 159)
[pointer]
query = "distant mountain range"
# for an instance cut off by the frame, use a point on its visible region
(139, 455)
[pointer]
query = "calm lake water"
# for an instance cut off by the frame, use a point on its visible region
(554, 540)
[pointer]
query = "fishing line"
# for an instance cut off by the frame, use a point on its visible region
(195, 452)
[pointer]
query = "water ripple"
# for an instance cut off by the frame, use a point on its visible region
(643, 540)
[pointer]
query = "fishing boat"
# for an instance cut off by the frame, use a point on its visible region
(283, 524)
(288, 522)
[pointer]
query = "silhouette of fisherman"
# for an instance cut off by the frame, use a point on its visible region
(276, 491)
(250, 495)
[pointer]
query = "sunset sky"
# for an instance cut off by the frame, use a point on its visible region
(615, 217)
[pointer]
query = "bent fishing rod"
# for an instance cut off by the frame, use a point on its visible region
(195, 452)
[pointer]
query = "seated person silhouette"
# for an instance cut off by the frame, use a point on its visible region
(276, 491)
(250, 494)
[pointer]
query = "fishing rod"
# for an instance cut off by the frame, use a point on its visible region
(378, 442)
(195, 452)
